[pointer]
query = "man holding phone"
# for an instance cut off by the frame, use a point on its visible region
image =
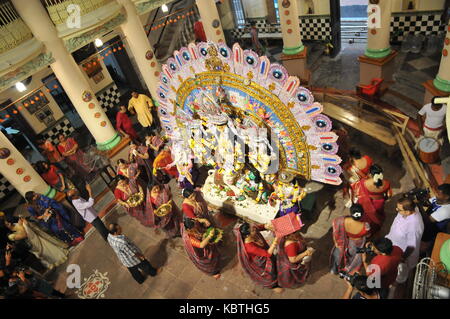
(86, 209)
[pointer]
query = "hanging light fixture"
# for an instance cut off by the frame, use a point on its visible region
(98, 42)
(20, 87)
(164, 8)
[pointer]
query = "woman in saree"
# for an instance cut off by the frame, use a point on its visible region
(256, 257)
(51, 251)
(293, 260)
(358, 166)
(52, 216)
(155, 144)
(372, 192)
(193, 206)
(74, 156)
(139, 155)
(130, 171)
(54, 176)
(170, 223)
(141, 210)
(165, 162)
(200, 250)
(349, 233)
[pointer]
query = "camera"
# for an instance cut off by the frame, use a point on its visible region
(350, 278)
(365, 250)
(419, 194)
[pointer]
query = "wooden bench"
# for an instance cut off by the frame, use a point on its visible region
(362, 122)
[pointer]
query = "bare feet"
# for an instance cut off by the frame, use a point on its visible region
(217, 276)
(158, 271)
(278, 290)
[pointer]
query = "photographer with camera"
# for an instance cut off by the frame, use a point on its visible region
(386, 259)
(363, 290)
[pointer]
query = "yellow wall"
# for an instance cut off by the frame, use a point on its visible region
(321, 7)
(421, 5)
(36, 82)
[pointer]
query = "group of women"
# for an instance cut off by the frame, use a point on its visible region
(368, 190)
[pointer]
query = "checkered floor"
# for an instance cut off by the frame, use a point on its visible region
(417, 62)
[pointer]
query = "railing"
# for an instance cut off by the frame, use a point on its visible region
(13, 30)
(57, 9)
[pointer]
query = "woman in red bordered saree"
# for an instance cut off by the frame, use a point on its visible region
(372, 192)
(349, 233)
(256, 257)
(201, 252)
(293, 261)
(165, 214)
(140, 210)
(73, 156)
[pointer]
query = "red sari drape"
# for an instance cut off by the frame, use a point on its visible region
(373, 207)
(290, 275)
(142, 212)
(170, 223)
(262, 270)
(343, 255)
(78, 160)
(206, 259)
(124, 123)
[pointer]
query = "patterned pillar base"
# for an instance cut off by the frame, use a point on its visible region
(441, 84)
(108, 145)
(377, 54)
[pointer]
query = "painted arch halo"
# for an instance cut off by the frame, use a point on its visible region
(262, 90)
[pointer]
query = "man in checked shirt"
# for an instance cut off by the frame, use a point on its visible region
(130, 255)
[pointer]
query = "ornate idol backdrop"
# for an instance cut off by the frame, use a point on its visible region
(208, 76)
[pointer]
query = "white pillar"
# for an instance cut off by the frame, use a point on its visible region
(69, 74)
(442, 81)
(378, 33)
(210, 20)
(140, 47)
(290, 27)
(16, 169)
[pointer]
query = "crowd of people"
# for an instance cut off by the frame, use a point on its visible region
(142, 189)
(358, 244)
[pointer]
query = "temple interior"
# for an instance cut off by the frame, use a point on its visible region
(191, 120)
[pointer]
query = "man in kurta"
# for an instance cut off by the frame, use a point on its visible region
(142, 104)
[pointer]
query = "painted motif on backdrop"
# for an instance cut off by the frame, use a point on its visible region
(95, 286)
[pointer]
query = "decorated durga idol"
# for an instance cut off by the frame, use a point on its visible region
(252, 124)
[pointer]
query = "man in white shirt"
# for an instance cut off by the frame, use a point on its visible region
(432, 119)
(406, 232)
(86, 209)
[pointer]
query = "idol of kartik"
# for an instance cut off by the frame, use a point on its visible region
(288, 193)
